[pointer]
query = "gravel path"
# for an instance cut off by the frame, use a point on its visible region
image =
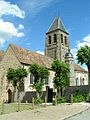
(59, 112)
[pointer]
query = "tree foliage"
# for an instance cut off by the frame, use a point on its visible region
(16, 77)
(83, 56)
(40, 73)
(61, 79)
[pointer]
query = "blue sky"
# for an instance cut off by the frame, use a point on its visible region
(25, 22)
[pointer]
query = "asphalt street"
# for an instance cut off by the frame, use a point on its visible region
(59, 112)
(82, 116)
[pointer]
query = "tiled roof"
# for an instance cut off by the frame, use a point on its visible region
(1, 55)
(79, 68)
(57, 24)
(29, 57)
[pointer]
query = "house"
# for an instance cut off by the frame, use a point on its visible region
(57, 47)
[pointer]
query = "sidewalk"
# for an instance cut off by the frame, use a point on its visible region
(59, 112)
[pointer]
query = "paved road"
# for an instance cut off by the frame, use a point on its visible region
(82, 116)
(49, 113)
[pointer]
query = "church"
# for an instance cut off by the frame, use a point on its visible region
(57, 47)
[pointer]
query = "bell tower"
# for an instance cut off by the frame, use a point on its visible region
(57, 40)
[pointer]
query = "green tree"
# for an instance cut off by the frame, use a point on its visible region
(61, 79)
(16, 77)
(40, 75)
(83, 56)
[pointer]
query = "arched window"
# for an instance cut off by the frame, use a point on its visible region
(55, 38)
(65, 40)
(83, 81)
(31, 79)
(61, 38)
(77, 81)
(47, 81)
(49, 39)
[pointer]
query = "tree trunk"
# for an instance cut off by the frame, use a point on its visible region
(89, 74)
(37, 94)
(41, 94)
(13, 94)
(18, 97)
(59, 92)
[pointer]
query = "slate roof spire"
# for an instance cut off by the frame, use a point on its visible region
(57, 24)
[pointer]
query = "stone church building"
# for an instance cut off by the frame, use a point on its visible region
(57, 47)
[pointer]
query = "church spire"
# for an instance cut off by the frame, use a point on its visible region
(57, 25)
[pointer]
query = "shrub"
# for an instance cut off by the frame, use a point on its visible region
(38, 101)
(78, 97)
(88, 98)
(61, 100)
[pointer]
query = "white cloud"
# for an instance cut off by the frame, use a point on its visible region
(74, 51)
(6, 8)
(21, 34)
(40, 52)
(82, 43)
(34, 6)
(8, 31)
(20, 27)
(87, 38)
(2, 41)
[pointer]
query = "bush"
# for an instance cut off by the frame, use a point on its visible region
(78, 97)
(38, 101)
(61, 100)
(88, 98)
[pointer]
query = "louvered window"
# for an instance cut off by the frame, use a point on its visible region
(61, 38)
(49, 40)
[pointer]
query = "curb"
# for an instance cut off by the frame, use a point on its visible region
(76, 114)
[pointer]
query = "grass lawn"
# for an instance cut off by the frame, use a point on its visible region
(13, 107)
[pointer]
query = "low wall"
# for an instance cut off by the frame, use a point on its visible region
(72, 89)
(27, 96)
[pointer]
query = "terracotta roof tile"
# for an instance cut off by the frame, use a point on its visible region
(79, 68)
(1, 55)
(29, 57)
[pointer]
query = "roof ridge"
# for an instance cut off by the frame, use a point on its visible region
(29, 57)
(14, 51)
(30, 51)
(18, 46)
(81, 67)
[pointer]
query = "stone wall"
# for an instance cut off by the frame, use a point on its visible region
(27, 96)
(9, 61)
(56, 50)
(72, 89)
